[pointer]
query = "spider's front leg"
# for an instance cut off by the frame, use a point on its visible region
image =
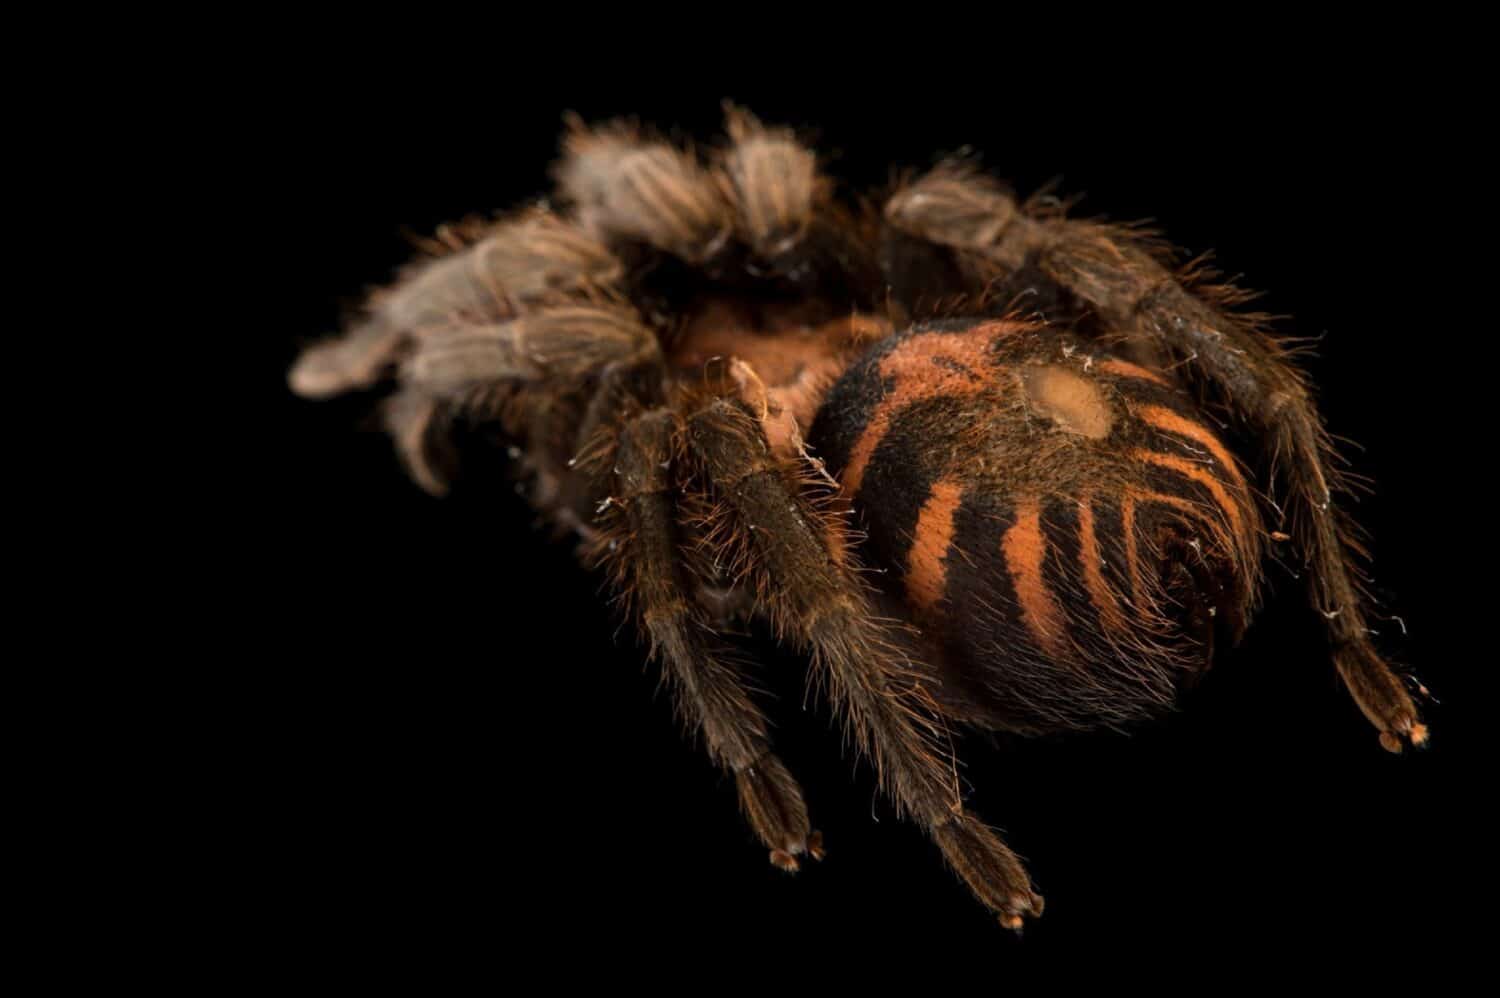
(457, 320)
(710, 695)
(882, 697)
(609, 345)
(986, 233)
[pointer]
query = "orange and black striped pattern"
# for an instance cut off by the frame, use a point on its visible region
(1065, 522)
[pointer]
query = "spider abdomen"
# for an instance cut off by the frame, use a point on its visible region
(1060, 522)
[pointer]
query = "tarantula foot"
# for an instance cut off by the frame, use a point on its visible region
(1013, 916)
(786, 859)
(772, 801)
(783, 860)
(1414, 731)
(990, 869)
(1017, 910)
(1381, 696)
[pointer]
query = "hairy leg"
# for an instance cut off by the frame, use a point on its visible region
(710, 694)
(815, 600)
(626, 188)
(1117, 276)
(414, 421)
(508, 268)
(754, 212)
(466, 321)
(512, 325)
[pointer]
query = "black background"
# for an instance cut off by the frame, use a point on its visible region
(457, 758)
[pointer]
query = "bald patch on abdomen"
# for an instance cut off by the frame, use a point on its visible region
(1071, 401)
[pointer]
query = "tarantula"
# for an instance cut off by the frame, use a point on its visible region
(954, 447)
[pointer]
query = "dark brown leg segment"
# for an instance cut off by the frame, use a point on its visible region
(881, 697)
(710, 695)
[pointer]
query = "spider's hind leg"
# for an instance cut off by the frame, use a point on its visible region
(1112, 272)
(1251, 375)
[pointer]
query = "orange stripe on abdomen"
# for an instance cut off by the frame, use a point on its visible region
(1099, 592)
(917, 374)
(1025, 549)
(1125, 369)
(1171, 422)
(1143, 599)
(1216, 488)
(926, 569)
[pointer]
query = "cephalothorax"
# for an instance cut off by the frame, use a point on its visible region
(951, 446)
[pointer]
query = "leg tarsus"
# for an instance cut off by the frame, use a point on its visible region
(1380, 695)
(783, 860)
(772, 802)
(991, 870)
